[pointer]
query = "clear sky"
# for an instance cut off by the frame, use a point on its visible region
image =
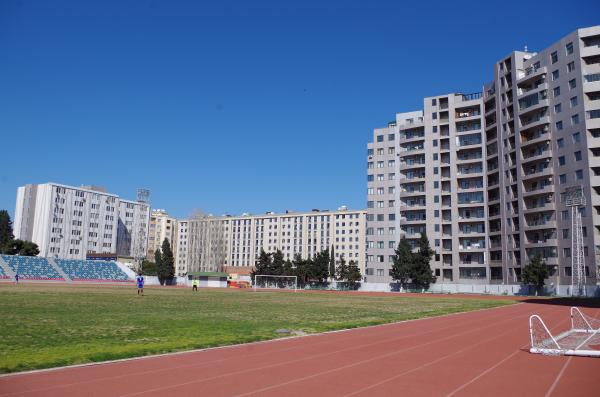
(242, 106)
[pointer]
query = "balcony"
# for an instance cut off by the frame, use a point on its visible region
(532, 122)
(522, 92)
(538, 224)
(538, 172)
(538, 137)
(536, 155)
(467, 127)
(530, 192)
(470, 97)
(530, 74)
(541, 243)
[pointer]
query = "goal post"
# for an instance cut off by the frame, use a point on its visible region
(271, 281)
(582, 339)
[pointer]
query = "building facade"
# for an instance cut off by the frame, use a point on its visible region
(485, 174)
(181, 247)
(70, 222)
(236, 241)
(162, 226)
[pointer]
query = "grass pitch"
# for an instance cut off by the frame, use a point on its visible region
(44, 325)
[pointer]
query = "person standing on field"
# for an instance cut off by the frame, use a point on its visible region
(195, 283)
(140, 284)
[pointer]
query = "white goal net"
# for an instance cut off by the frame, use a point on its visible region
(267, 281)
(582, 339)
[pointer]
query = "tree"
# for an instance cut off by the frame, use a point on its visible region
(341, 273)
(320, 266)
(288, 268)
(168, 261)
(148, 268)
(421, 274)
(332, 270)
(353, 276)
(159, 265)
(276, 267)
(6, 230)
(262, 265)
(21, 247)
(535, 272)
(301, 269)
(403, 262)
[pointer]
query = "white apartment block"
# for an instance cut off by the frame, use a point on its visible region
(484, 175)
(162, 226)
(70, 222)
(181, 247)
(236, 241)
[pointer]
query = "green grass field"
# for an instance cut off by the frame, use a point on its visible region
(45, 325)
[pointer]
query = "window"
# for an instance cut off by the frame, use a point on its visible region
(576, 137)
(556, 92)
(391, 137)
(557, 108)
(561, 160)
(559, 125)
(554, 57)
(573, 101)
(434, 116)
(435, 142)
(433, 102)
(435, 156)
(575, 119)
(436, 184)
(555, 75)
(567, 252)
(391, 163)
(370, 178)
(579, 175)
(572, 83)
(578, 155)
(570, 66)
(565, 233)
(560, 142)
(369, 152)
(562, 179)
(379, 138)
(569, 48)
(434, 128)
(391, 150)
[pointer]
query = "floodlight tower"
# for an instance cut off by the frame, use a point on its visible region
(575, 199)
(143, 197)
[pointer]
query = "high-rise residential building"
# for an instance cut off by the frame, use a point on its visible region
(162, 226)
(71, 222)
(181, 247)
(485, 175)
(236, 241)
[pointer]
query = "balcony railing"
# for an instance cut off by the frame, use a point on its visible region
(470, 97)
(590, 78)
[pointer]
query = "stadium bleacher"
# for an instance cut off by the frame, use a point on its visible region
(2, 274)
(82, 270)
(32, 267)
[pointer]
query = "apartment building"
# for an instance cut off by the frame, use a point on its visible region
(181, 247)
(484, 174)
(162, 226)
(236, 241)
(70, 222)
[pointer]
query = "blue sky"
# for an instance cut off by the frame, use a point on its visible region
(242, 106)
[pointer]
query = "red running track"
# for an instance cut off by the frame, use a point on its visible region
(479, 353)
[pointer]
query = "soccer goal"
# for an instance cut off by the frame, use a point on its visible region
(583, 339)
(268, 281)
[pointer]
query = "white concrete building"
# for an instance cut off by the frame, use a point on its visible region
(181, 247)
(71, 222)
(162, 226)
(236, 241)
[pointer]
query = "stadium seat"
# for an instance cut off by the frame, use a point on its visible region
(82, 270)
(32, 267)
(2, 274)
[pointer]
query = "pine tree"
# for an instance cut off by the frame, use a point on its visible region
(353, 276)
(159, 265)
(6, 230)
(421, 273)
(341, 273)
(276, 267)
(168, 261)
(21, 247)
(262, 265)
(535, 273)
(300, 269)
(403, 262)
(332, 270)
